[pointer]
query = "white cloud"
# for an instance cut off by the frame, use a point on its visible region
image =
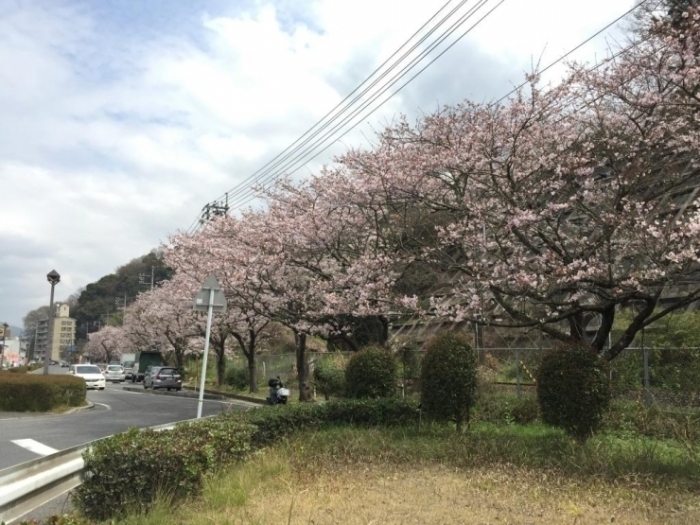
(115, 134)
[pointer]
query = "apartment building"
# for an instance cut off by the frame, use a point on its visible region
(63, 334)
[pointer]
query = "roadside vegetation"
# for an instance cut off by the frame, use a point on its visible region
(488, 456)
(40, 393)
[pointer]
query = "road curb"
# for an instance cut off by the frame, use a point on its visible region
(78, 409)
(237, 397)
(209, 397)
(189, 392)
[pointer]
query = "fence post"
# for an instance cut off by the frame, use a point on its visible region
(517, 370)
(647, 388)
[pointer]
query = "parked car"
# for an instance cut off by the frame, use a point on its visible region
(162, 377)
(91, 374)
(64, 364)
(115, 373)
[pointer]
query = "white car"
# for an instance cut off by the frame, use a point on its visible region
(115, 373)
(91, 374)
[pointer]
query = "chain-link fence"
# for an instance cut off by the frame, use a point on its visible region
(669, 376)
(284, 366)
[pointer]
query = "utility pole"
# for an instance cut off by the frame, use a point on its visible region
(144, 276)
(123, 306)
(213, 210)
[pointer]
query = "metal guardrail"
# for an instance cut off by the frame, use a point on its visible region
(30, 485)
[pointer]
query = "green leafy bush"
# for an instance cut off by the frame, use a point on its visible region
(127, 472)
(279, 422)
(371, 372)
(448, 378)
(329, 377)
(573, 389)
(40, 393)
(237, 378)
(501, 407)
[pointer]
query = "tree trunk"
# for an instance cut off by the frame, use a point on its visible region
(252, 368)
(302, 367)
(221, 364)
(220, 351)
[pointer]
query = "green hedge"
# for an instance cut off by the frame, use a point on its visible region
(126, 472)
(272, 424)
(39, 393)
(371, 373)
(329, 378)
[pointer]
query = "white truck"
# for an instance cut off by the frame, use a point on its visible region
(127, 361)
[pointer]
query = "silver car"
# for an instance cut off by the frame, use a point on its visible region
(115, 373)
(162, 377)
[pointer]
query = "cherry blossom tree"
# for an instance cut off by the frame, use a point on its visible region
(564, 203)
(195, 257)
(303, 261)
(163, 318)
(108, 344)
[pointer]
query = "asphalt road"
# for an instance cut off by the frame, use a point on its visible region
(115, 411)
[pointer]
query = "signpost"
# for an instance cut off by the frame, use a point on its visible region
(210, 299)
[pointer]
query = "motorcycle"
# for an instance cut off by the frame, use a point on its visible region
(279, 394)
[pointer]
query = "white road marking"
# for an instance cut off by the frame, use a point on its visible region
(103, 405)
(35, 446)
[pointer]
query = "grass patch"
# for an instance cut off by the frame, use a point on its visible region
(359, 476)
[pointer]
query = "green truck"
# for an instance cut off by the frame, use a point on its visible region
(142, 361)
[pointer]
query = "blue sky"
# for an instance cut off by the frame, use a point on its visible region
(121, 119)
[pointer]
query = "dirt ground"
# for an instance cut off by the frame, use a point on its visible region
(436, 495)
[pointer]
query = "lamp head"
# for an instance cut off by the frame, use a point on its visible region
(53, 277)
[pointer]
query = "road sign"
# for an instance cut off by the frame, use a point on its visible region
(201, 300)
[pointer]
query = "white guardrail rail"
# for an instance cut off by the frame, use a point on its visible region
(30, 485)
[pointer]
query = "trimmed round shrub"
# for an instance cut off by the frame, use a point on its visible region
(237, 378)
(329, 377)
(40, 393)
(371, 372)
(448, 379)
(573, 389)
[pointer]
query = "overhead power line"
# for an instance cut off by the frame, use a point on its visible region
(247, 195)
(349, 101)
(297, 155)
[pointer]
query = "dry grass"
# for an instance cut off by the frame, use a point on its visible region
(269, 489)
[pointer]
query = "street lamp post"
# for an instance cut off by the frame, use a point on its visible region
(5, 326)
(54, 278)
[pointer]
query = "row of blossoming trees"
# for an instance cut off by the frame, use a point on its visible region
(562, 204)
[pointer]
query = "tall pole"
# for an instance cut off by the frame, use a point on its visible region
(49, 340)
(210, 311)
(153, 274)
(54, 278)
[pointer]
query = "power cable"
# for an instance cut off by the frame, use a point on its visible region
(242, 193)
(303, 157)
(232, 192)
(444, 19)
(378, 69)
(300, 158)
